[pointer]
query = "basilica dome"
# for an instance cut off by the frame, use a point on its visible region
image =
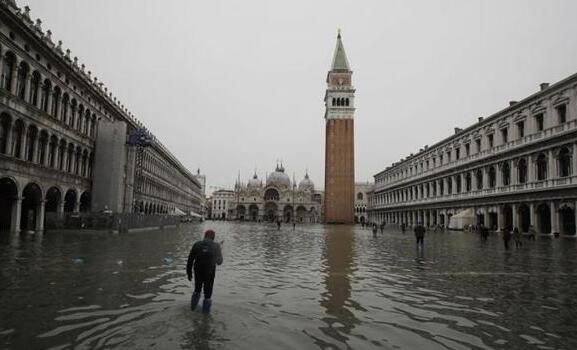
(278, 178)
(254, 182)
(306, 184)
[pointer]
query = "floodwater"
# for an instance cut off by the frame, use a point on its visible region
(318, 287)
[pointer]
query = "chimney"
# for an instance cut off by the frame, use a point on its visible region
(512, 103)
(458, 130)
(543, 86)
(480, 119)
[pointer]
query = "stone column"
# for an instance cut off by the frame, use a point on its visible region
(24, 141)
(485, 212)
(39, 95)
(554, 217)
(514, 174)
(473, 181)
(438, 188)
(514, 208)
(14, 74)
(500, 218)
(47, 152)
(531, 169)
(9, 133)
(16, 215)
(49, 103)
(40, 216)
(533, 217)
(27, 87)
(60, 209)
(574, 161)
(498, 176)
(551, 165)
(485, 178)
(454, 181)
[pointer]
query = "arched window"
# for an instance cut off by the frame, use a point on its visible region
(334, 101)
(506, 174)
(64, 113)
(468, 182)
(46, 90)
(32, 133)
(5, 125)
(23, 71)
(347, 102)
(34, 88)
(80, 118)
(271, 195)
(8, 66)
(541, 167)
(458, 180)
(360, 196)
(72, 121)
(522, 170)
(564, 162)
(479, 176)
(492, 177)
(449, 185)
(55, 102)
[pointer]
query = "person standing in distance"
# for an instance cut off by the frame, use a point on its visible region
(204, 256)
(420, 234)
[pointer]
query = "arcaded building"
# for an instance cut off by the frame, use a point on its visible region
(339, 140)
(53, 114)
(515, 168)
(278, 198)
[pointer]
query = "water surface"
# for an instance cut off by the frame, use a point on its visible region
(317, 287)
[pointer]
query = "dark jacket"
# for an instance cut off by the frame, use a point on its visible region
(204, 255)
(420, 231)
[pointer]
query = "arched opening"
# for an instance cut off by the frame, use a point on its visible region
(449, 185)
(46, 91)
(479, 176)
(480, 219)
(522, 171)
(240, 212)
(468, 182)
(541, 167)
(5, 126)
(70, 201)
(301, 214)
(271, 194)
(564, 162)
(61, 153)
(524, 218)
(347, 102)
(32, 133)
(31, 200)
(52, 150)
(72, 119)
(360, 196)
(492, 177)
(64, 114)
(17, 135)
(544, 218)
(506, 174)
(270, 211)
(55, 102)
(287, 213)
(8, 195)
(53, 198)
(8, 66)
(493, 220)
(458, 184)
(34, 88)
(85, 202)
(567, 218)
(23, 71)
(253, 212)
(42, 155)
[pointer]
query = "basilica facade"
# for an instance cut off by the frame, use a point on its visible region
(277, 199)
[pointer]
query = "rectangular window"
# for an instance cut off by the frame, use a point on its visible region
(505, 135)
(539, 122)
(467, 150)
(521, 129)
(441, 159)
(490, 140)
(478, 145)
(457, 153)
(562, 113)
(449, 157)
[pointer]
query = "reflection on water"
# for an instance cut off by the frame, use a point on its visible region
(327, 287)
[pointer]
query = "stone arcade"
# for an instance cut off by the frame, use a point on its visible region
(512, 169)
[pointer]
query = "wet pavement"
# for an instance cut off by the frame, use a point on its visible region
(318, 287)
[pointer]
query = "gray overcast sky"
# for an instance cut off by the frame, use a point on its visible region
(234, 85)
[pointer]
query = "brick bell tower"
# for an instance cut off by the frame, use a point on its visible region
(339, 138)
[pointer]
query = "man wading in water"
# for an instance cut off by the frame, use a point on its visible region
(204, 256)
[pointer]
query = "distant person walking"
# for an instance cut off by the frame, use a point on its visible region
(278, 224)
(532, 232)
(374, 229)
(484, 230)
(420, 234)
(506, 237)
(517, 238)
(203, 258)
